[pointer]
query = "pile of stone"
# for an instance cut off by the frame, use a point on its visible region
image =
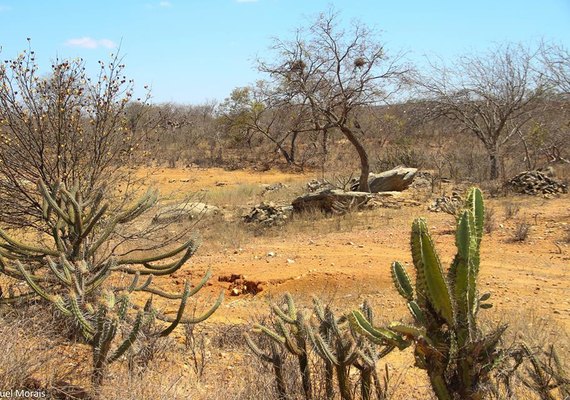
(448, 204)
(268, 214)
(536, 183)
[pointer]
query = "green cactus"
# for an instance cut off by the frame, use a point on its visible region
(72, 274)
(457, 355)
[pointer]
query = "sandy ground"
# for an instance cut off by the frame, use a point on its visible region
(347, 259)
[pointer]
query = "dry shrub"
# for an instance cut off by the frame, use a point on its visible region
(490, 222)
(521, 232)
(34, 355)
(511, 210)
(540, 334)
(21, 359)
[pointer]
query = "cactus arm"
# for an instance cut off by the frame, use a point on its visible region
(86, 327)
(207, 314)
(32, 284)
(53, 204)
(168, 269)
(417, 313)
(282, 315)
(402, 281)
(93, 221)
(60, 275)
(430, 280)
(23, 249)
(476, 206)
(256, 350)
(180, 312)
(272, 334)
(439, 387)
(289, 342)
(161, 293)
(129, 340)
(461, 276)
(376, 335)
(322, 348)
(189, 245)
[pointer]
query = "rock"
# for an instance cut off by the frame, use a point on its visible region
(268, 214)
(272, 188)
(536, 183)
(185, 211)
(271, 254)
(448, 204)
(331, 201)
(396, 179)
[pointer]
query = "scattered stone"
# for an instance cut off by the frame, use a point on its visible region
(536, 183)
(396, 179)
(273, 187)
(184, 211)
(271, 254)
(316, 185)
(268, 214)
(448, 204)
(290, 261)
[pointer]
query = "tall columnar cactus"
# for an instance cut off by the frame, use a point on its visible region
(72, 273)
(457, 355)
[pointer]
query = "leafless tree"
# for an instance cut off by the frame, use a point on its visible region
(63, 128)
(556, 63)
(333, 72)
(490, 95)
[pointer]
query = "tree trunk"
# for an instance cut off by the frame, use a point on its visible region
(494, 164)
(292, 147)
(364, 162)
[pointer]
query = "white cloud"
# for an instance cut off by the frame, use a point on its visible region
(247, 1)
(4, 8)
(165, 4)
(90, 43)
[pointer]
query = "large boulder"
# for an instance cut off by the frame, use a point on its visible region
(331, 201)
(394, 180)
(184, 211)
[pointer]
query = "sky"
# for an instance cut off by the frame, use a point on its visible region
(192, 51)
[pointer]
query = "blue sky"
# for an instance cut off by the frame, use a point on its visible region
(191, 51)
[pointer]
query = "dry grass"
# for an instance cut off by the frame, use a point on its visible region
(511, 210)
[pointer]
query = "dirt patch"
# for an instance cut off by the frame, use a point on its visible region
(239, 285)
